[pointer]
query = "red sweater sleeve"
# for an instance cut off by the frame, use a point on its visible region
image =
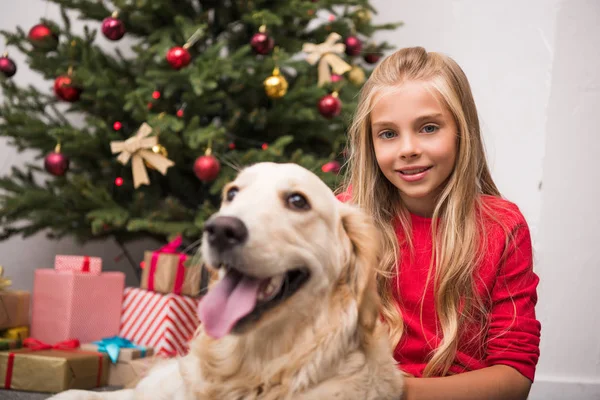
(514, 332)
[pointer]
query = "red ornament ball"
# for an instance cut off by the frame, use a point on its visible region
(262, 43)
(330, 106)
(207, 168)
(335, 78)
(156, 95)
(264, 146)
(117, 126)
(7, 66)
(372, 58)
(42, 37)
(118, 181)
(64, 89)
(56, 163)
(231, 145)
(178, 57)
(331, 166)
(113, 28)
(353, 46)
(180, 113)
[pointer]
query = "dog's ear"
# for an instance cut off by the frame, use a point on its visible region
(362, 262)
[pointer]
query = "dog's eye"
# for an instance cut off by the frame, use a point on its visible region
(297, 201)
(231, 193)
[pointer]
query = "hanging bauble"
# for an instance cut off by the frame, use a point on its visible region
(207, 167)
(335, 78)
(330, 105)
(112, 27)
(276, 85)
(178, 57)
(262, 43)
(157, 149)
(42, 37)
(331, 166)
(353, 46)
(372, 57)
(7, 66)
(356, 75)
(56, 163)
(362, 16)
(64, 89)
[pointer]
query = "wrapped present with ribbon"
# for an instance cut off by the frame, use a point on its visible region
(76, 305)
(14, 305)
(165, 322)
(42, 367)
(119, 349)
(138, 148)
(17, 333)
(84, 264)
(327, 54)
(8, 344)
(167, 271)
(121, 352)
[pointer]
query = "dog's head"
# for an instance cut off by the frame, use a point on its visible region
(281, 243)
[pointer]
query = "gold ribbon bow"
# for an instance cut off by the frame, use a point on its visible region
(327, 54)
(4, 282)
(136, 148)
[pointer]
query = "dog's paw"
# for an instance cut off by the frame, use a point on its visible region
(75, 395)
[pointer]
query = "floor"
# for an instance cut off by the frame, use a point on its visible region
(18, 395)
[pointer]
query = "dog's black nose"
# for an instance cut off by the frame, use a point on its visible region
(225, 232)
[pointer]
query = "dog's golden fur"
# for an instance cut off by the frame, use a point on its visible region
(326, 341)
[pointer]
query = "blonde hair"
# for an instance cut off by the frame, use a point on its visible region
(456, 225)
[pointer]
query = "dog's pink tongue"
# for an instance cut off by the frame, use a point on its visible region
(227, 302)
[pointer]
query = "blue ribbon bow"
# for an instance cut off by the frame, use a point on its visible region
(113, 345)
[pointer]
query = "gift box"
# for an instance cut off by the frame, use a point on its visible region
(14, 308)
(76, 305)
(7, 344)
(165, 322)
(127, 374)
(167, 271)
(20, 332)
(121, 352)
(92, 265)
(119, 349)
(40, 367)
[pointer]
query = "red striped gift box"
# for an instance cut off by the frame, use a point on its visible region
(165, 322)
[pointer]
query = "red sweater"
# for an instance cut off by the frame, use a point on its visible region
(508, 290)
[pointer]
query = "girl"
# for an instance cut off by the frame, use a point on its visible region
(456, 277)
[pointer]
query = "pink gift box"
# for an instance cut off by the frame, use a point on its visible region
(165, 322)
(76, 306)
(92, 265)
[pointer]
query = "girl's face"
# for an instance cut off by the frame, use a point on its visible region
(415, 142)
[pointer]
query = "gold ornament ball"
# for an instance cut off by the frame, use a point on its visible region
(276, 86)
(157, 149)
(356, 75)
(363, 16)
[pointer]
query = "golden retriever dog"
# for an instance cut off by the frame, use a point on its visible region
(294, 313)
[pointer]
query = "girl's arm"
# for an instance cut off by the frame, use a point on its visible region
(498, 382)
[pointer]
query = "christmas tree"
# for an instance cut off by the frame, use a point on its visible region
(208, 87)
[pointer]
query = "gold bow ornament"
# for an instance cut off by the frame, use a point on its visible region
(4, 282)
(139, 149)
(327, 54)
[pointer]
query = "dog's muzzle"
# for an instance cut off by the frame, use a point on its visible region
(224, 232)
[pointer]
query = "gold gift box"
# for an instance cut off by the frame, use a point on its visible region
(14, 308)
(166, 273)
(53, 371)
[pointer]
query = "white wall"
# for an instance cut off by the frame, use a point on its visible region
(535, 71)
(534, 68)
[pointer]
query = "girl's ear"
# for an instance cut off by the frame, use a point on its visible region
(364, 257)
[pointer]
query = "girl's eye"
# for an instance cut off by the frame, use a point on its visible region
(430, 128)
(387, 134)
